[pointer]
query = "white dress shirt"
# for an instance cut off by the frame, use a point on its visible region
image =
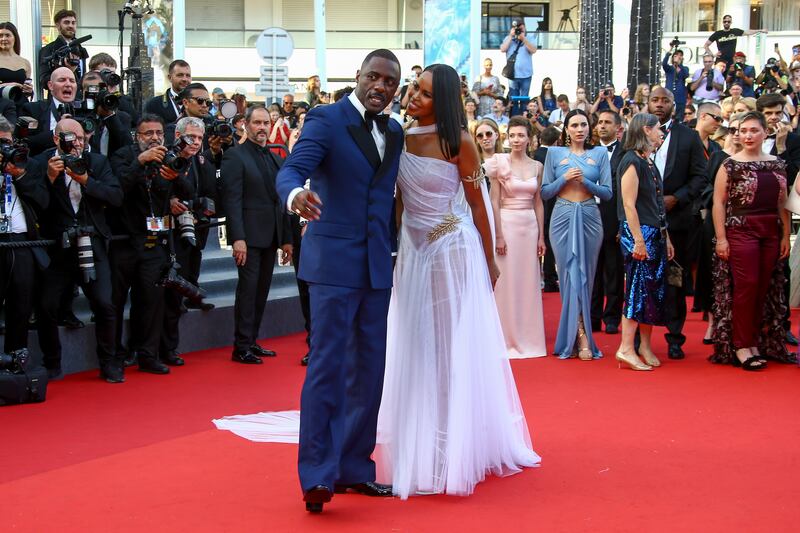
(768, 145)
(13, 210)
(74, 192)
(377, 135)
(660, 156)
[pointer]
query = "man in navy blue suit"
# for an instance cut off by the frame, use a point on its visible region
(351, 152)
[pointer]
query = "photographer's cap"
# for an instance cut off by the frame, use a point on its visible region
(739, 54)
(519, 21)
(795, 65)
(217, 90)
(240, 90)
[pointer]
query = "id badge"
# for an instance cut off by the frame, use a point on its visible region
(5, 224)
(156, 224)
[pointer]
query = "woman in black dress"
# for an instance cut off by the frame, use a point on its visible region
(15, 70)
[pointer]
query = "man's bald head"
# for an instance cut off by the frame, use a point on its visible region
(661, 103)
(62, 85)
(69, 124)
(663, 91)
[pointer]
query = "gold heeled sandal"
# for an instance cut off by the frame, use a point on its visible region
(632, 361)
(584, 354)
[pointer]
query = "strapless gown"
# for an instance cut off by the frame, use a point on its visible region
(450, 412)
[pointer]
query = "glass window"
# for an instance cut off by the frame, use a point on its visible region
(496, 20)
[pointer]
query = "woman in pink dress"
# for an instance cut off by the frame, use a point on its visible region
(518, 242)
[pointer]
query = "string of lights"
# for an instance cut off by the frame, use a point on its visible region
(647, 27)
(595, 63)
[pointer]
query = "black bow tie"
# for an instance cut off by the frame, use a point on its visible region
(612, 146)
(380, 120)
(664, 129)
(771, 136)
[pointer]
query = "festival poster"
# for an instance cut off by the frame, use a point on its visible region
(447, 33)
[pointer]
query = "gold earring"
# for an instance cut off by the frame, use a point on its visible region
(569, 140)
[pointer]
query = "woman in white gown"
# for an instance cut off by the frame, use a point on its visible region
(450, 412)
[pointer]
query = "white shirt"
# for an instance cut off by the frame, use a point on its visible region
(377, 135)
(14, 211)
(172, 96)
(768, 145)
(557, 116)
(53, 120)
(74, 192)
(660, 156)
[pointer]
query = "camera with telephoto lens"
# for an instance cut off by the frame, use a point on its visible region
(676, 42)
(82, 237)
(173, 158)
(15, 152)
(170, 279)
(110, 78)
(65, 56)
(607, 93)
(83, 113)
(99, 96)
(76, 163)
(710, 80)
(203, 208)
(218, 127)
(13, 93)
(14, 362)
(517, 29)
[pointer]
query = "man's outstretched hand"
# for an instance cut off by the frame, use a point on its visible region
(307, 204)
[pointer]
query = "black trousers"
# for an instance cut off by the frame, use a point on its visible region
(252, 290)
(550, 275)
(302, 286)
(61, 276)
(609, 285)
(189, 257)
(17, 293)
(138, 270)
(675, 297)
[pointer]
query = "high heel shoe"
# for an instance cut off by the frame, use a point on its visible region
(584, 354)
(650, 358)
(632, 361)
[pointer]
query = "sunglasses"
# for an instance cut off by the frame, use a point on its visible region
(716, 118)
(733, 131)
(203, 101)
(484, 135)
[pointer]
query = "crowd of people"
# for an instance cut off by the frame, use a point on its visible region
(605, 191)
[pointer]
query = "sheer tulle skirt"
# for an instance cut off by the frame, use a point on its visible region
(450, 412)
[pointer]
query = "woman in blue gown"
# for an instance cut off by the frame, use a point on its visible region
(577, 173)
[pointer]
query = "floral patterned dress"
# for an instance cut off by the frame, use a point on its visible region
(752, 185)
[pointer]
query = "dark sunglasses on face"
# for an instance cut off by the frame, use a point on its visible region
(716, 118)
(482, 135)
(202, 101)
(733, 131)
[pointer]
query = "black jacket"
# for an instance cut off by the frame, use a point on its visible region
(41, 138)
(119, 132)
(131, 219)
(253, 209)
(684, 175)
(199, 181)
(101, 190)
(9, 110)
(608, 209)
(34, 198)
(161, 106)
(791, 155)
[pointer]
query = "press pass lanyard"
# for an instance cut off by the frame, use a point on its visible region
(7, 201)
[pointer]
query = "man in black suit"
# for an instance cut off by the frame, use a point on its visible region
(609, 282)
(682, 164)
(107, 65)
(113, 125)
(8, 110)
(167, 105)
(257, 225)
(25, 196)
(781, 142)
(66, 22)
(78, 201)
(200, 181)
(549, 137)
(62, 88)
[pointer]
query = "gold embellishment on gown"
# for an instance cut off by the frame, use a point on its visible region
(448, 225)
(476, 178)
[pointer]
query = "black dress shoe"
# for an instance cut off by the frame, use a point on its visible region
(172, 358)
(304, 360)
(152, 365)
(612, 329)
(368, 488)
(316, 497)
(675, 352)
(70, 321)
(262, 352)
(131, 358)
(246, 357)
(112, 372)
(203, 306)
(790, 338)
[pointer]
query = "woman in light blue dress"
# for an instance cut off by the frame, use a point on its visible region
(578, 174)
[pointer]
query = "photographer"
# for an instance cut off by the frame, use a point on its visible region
(520, 50)
(199, 191)
(708, 82)
(66, 22)
(102, 106)
(24, 197)
(107, 67)
(218, 134)
(137, 264)
(743, 73)
(168, 105)
(289, 110)
(676, 74)
(772, 79)
(606, 100)
(257, 225)
(81, 187)
(62, 89)
(726, 40)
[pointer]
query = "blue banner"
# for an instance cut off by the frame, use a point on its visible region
(447, 33)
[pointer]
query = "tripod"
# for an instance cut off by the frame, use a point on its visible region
(566, 18)
(139, 73)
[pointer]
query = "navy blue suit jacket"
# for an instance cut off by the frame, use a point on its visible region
(351, 245)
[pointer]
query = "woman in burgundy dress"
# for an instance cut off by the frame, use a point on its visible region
(752, 242)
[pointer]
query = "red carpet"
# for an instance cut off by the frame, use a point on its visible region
(688, 447)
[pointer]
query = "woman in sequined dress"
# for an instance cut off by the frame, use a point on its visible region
(576, 172)
(644, 241)
(752, 242)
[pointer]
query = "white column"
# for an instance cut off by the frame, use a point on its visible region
(178, 29)
(622, 31)
(739, 10)
(26, 17)
(320, 42)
